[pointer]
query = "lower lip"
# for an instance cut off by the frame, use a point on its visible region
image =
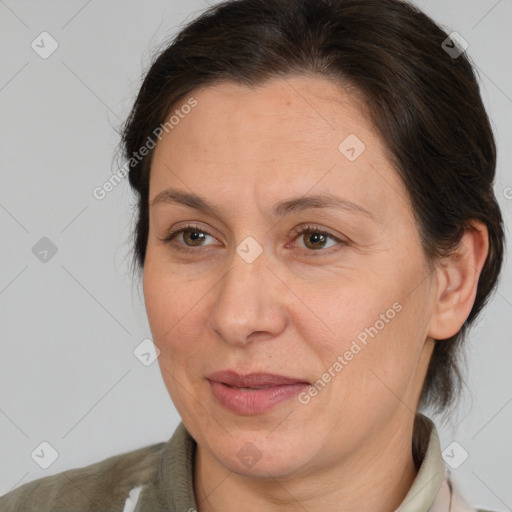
(255, 401)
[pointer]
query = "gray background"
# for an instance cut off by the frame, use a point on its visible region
(69, 326)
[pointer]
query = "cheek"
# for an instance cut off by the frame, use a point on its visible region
(166, 313)
(372, 334)
(178, 315)
(172, 306)
(345, 309)
(169, 300)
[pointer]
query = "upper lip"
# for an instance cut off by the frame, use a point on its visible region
(232, 378)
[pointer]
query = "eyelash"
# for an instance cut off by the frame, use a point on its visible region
(297, 231)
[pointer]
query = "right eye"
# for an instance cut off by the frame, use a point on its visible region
(190, 233)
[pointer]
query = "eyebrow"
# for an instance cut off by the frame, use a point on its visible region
(324, 200)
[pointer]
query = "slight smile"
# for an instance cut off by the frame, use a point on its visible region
(255, 393)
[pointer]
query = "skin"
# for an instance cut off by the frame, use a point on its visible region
(301, 303)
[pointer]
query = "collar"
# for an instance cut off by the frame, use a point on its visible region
(173, 490)
(431, 473)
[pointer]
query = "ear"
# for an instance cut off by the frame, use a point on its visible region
(457, 277)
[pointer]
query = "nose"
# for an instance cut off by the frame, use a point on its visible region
(249, 303)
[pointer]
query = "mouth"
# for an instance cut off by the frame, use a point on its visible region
(254, 393)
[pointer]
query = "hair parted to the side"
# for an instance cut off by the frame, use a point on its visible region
(424, 103)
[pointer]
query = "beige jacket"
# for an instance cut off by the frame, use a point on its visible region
(160, 478)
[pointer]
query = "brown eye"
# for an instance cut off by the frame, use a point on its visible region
(191, 236)
(315, 239)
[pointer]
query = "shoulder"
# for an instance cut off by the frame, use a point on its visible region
(103, 485)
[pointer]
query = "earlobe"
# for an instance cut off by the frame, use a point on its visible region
(457, 277)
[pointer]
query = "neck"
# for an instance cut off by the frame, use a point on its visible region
(375, 478)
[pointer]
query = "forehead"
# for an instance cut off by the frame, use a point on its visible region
(287, 132)
(291, 109)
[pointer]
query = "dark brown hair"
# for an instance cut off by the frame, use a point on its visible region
(424, 102)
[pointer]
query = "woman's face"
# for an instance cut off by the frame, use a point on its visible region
(342, 311)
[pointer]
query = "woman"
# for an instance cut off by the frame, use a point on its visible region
(317, 230)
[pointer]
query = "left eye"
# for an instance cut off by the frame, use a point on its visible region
(314, 238)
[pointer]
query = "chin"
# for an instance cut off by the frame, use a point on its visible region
(258, 454)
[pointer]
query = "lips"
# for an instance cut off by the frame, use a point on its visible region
(255, 393)
(253, 380)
